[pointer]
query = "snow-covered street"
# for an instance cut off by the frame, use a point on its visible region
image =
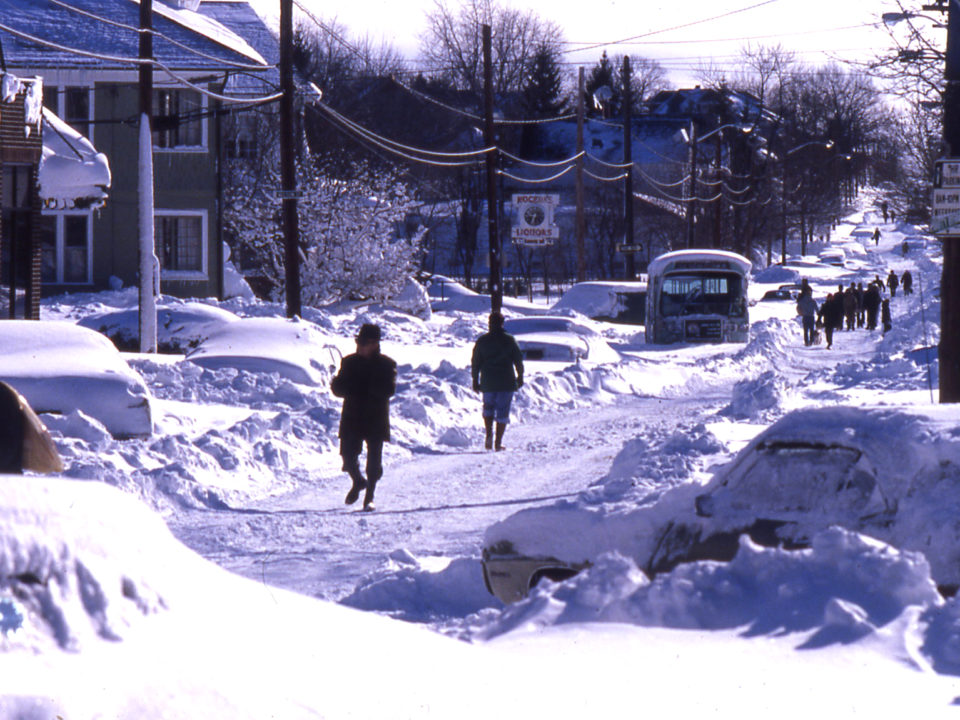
(242, 467)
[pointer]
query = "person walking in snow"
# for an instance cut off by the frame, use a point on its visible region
(892, 282)
(885, 316)
(807, 310)
(871, 301)
(366, 381)
(876, 236)
(850, 306)
(831, 314)
(861, 312)
(497, 369)
(906, 281)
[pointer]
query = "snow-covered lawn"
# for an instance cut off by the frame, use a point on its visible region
(107, 614)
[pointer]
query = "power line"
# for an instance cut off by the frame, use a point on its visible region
(675, 27)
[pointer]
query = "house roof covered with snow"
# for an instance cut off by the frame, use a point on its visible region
(103, 34)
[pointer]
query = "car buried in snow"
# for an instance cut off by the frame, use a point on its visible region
(891, 473)
(549, 338)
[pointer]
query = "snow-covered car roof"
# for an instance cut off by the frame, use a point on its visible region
(295, 349)
(61, 368)
(562, 331)
(180, 324)
(599, 298)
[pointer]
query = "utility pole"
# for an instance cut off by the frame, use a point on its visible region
(490, 140)
(949, 350)
(288, 172)
(628, 161)
(148, 265)
(692, 199)
(581, 260)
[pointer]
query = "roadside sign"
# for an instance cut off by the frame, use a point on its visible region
(948, 224)
(289, 194)
(623, 248)
(534, 224)
(947, 173)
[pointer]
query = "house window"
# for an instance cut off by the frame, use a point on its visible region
(66, 248)
(178, 119)
(72, 104)
(240, 141)
(180, 238)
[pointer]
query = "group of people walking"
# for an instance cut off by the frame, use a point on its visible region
(367, 379)
(850, 308)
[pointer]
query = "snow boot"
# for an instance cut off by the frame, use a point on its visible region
(501, 427)
(354, 493)
(488, 428)
(368, 496)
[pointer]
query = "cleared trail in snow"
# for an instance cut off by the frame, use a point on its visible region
(429, 503)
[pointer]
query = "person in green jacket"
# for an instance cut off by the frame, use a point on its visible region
(497, 367)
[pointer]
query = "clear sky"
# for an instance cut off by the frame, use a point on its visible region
(681, 35)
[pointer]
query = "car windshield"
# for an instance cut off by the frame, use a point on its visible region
(782, 478)
(715, 294)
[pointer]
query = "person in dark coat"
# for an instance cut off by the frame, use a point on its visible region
(885, 316)
(871, 301)
(366, 381)
(906, 281)
(850, 306)
(892, 282)
(831, 314)
(497, 368)
(861, 310)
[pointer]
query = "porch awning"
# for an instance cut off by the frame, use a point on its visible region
(72, 173)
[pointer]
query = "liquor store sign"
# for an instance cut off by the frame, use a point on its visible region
(533, 224)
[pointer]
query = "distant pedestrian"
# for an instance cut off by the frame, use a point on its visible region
(497, 368)
(807, 310)
(906, 280)
(885, 316)
(892, 282)
(850, 306)
(366, 381)
(871, 301)
(861, 308)
(904, 248)
(876, 236)
(831, 315)
(883, 208)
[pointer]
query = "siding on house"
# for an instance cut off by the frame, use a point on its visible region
(186, 179)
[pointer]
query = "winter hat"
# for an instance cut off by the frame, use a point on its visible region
(369, 333)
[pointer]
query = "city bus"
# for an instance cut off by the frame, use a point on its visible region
(697, 296)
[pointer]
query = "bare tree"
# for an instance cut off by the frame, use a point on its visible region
(452, 46)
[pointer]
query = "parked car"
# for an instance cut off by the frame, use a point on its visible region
(832, 256)
(890, 473)
(562, 339)
(619, 301)
(789, 291)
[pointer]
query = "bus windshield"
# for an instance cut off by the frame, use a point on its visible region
(714, 294)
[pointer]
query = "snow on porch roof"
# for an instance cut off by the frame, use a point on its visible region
(72, 173)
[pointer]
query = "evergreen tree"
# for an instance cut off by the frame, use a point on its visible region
(543, 90)
(603, 88)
